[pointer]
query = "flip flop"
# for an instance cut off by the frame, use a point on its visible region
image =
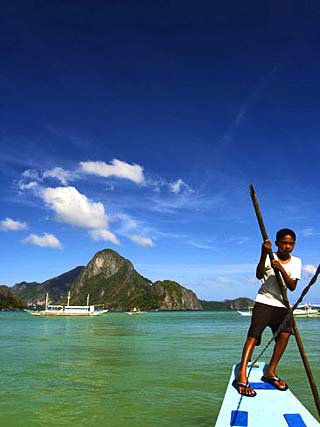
(245, 388)
(273, 381)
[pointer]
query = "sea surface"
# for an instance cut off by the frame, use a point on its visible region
(155, 369)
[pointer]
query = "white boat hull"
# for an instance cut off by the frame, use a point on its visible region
(270, 407)
(134, 313)
(59, 314)
(306, 312)
(244, 313)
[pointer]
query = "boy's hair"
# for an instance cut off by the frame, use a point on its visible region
(285, 232)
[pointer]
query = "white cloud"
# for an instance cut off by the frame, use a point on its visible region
(104, 235)
(22, 186)
(176, 187)
(117, 168)
(309, 269)
(47, 240)
(200, 245)
(75, 208)
(9, 224)
(128, 223)
(59, 173)
(31, 178)
(224, 280)
(310, 232)
(238, 240)
(31, 174)
(142, 241)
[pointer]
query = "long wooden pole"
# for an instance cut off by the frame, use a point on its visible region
(287, 304)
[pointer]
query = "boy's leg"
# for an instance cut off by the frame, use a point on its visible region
(242, 373)
(279, 348)
(259, 321)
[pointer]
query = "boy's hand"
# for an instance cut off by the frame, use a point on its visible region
(276, 265)
(266, 247)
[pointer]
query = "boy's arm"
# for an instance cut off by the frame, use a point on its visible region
(291, 284)
(265, 249)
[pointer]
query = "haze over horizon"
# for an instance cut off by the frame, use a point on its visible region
(139, 127)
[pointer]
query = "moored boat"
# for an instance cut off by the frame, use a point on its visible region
(135, 310)
(307, 310)
(245, 312)
(68, 310)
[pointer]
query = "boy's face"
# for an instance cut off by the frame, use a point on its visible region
(285, 244)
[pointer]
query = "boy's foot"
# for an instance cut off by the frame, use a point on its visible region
(243, 388)
(276, 382)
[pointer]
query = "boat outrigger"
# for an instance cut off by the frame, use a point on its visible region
(68, 310)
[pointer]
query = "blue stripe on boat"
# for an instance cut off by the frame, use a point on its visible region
(294, 420)
(262, 386)
(239, 419)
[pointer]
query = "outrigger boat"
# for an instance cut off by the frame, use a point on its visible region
(68, 310)
(270, 407)
(304, 310)
(307, 310)
(135, 310)
(246, 312)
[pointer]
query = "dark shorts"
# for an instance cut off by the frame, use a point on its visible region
(264, 315)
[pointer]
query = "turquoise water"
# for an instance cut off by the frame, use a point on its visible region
(156, 369)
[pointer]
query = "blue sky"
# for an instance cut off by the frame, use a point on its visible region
(139, 126)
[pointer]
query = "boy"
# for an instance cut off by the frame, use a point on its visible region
(269, 309)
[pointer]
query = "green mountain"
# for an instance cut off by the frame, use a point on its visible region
(57, 287)
(112, 281)
(236, 304)
(173, 296)
(8, 300)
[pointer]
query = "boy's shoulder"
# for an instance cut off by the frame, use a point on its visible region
(295, 259)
